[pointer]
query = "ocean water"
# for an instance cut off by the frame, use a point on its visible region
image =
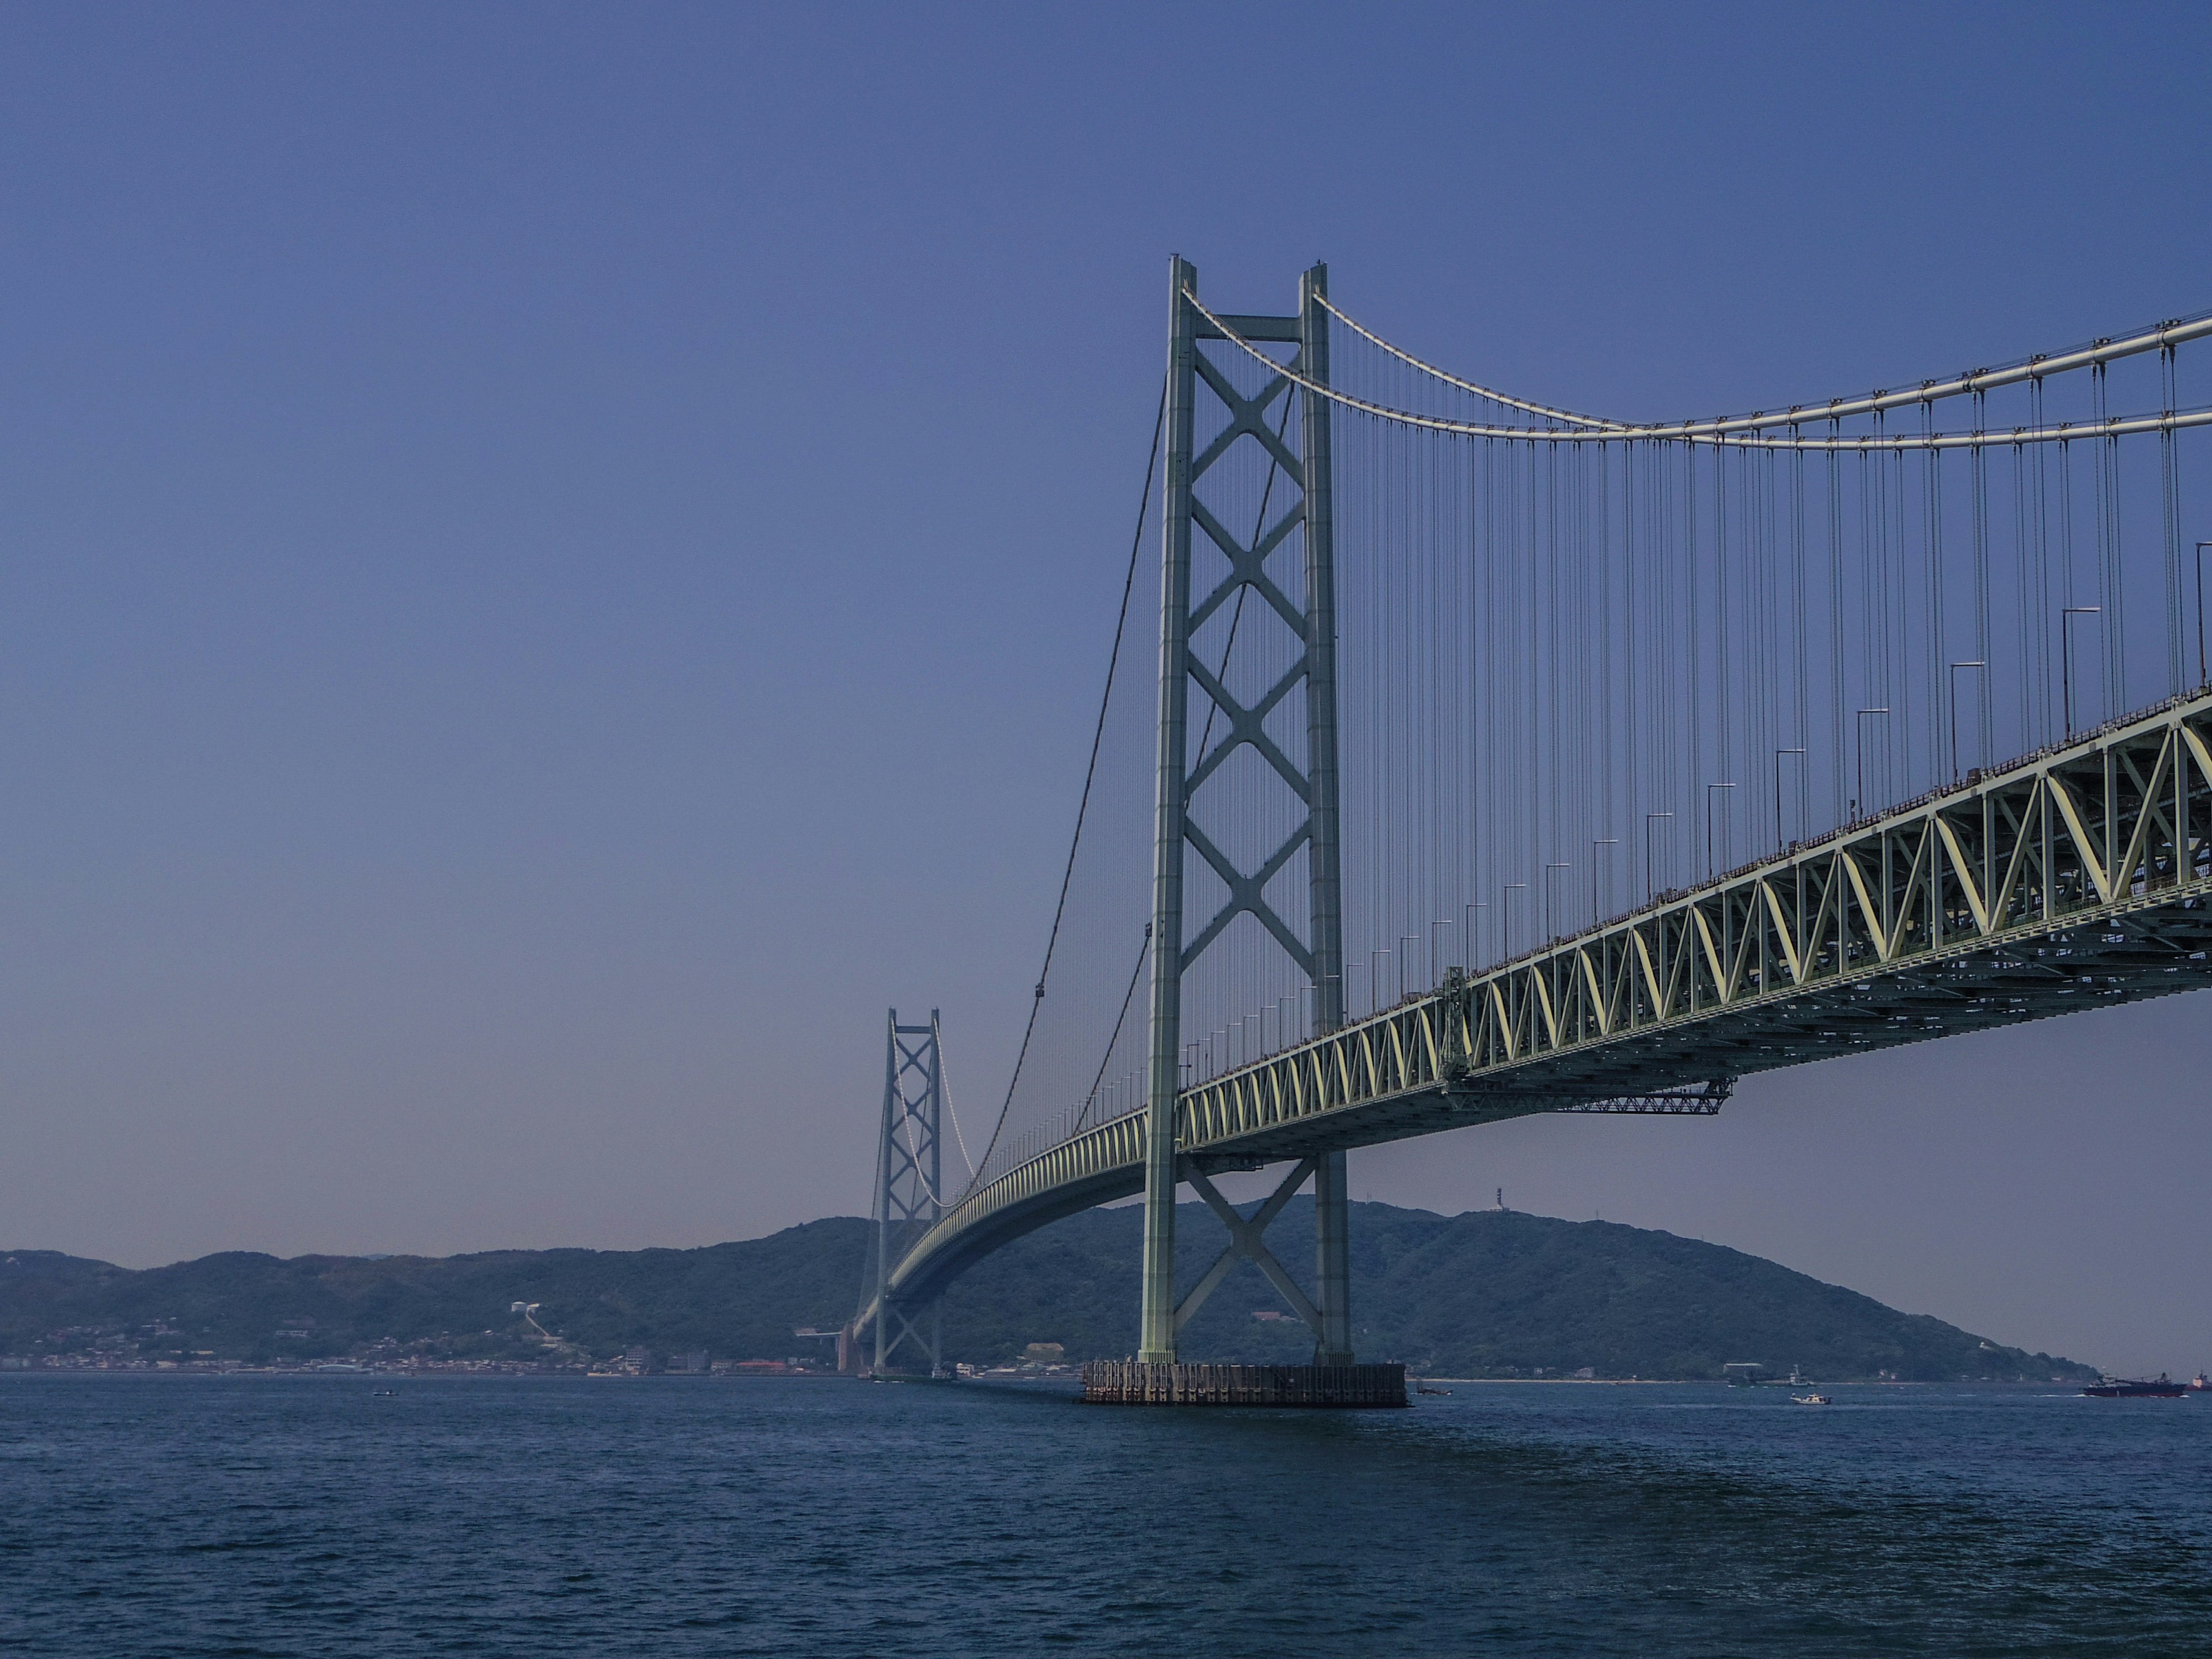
(265, 1515)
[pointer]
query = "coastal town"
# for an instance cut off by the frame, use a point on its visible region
(158, 1346)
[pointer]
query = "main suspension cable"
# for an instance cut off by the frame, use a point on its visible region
(1484, 391)
(1143, 955)
(1746, 432)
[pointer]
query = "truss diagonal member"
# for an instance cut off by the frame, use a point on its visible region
(906, 1331)
(1245, 895)
(1207, 1284)
(1248, 565)
(1248, 568)
(1250, 726)
(1245, 1240)
(1245, 723)
(1245, 415)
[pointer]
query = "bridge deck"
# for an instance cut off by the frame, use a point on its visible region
(2073, 878)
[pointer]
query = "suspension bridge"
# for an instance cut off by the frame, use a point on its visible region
(1504, 759)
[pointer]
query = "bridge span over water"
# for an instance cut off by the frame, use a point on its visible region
(1946, 897)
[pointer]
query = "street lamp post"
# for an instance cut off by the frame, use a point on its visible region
(1607, 841)
(2066, 654)
(1955, 667)
(1858, 806)
(1780, 839)
(1650, 882)
(1711, 868)
(2202, 678)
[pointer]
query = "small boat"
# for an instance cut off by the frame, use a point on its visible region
(1424, 1388)
(1810, 1399)
(2128, 1387)
(2200, 1384)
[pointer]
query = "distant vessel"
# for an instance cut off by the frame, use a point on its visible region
(2124, 1388)
(2200, 1382)
(1810, 1399)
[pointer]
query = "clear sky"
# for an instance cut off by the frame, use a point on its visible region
(558, 560)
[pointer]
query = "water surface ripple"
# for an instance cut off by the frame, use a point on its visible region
(265, 1515)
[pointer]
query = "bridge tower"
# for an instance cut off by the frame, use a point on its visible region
(910, 1187)
(1298, 498)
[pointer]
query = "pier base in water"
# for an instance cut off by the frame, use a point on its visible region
(1136, 1382)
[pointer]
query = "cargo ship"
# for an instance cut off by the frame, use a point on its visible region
(2123, 1388)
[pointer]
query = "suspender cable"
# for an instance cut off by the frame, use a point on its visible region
(1089, 776)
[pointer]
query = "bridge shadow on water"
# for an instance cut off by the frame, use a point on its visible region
(1638, 1519)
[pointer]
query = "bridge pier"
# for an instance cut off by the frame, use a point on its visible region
(1331, 1261)
(1319, 953)
(910, 1191)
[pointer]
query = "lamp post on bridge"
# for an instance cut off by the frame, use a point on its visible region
(1858, 806)
(1551, 931)
(1607, 840)
(1955, 667)
(2204, 677)
(1780, 839)
(1711, 868)
(1650, 881)
(2066, 654)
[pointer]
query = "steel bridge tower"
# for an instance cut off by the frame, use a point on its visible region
(1318, 949)
(910, 1187)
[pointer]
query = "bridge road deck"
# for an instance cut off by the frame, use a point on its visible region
(2073, 878)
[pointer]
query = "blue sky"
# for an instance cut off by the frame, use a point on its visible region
(559, 558)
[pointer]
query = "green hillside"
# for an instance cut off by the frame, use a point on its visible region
(1486, 1293)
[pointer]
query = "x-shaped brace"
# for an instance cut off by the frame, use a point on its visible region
(1244, 1240)
(1246, 893)
(1248, 565)
(1245, 415)
(1248, 726)
(905, 1328)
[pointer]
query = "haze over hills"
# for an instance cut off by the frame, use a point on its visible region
(1484, 1293)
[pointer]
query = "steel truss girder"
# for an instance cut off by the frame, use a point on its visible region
(2075, 878)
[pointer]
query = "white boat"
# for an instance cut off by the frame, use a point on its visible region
(1810, 1399)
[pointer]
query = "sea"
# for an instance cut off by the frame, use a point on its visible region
(263, 1515)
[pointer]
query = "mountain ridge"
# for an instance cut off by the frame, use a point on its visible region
(1484, 1293)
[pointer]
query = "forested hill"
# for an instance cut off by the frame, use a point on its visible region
(1486, 1293)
